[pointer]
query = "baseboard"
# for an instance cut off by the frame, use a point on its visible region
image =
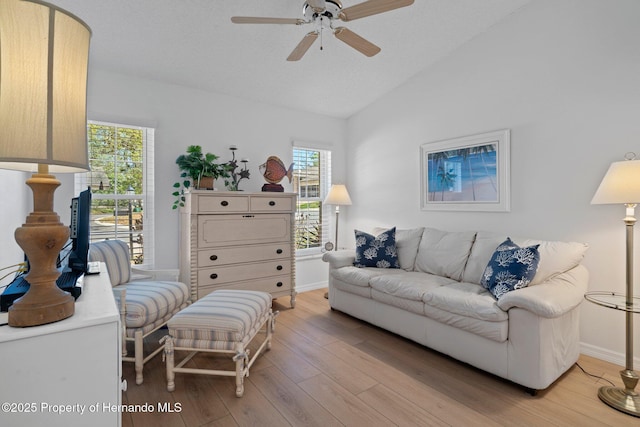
(606, 355)
(311, 286)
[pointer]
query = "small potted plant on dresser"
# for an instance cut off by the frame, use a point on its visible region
(199, 170)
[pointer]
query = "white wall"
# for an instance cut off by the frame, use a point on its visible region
(16, 197)
(564, 76)
(184, 117)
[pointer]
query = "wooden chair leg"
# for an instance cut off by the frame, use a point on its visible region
(138, 349)
(169, 361)
(241, 359)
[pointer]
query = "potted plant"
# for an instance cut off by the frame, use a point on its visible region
(198, 170)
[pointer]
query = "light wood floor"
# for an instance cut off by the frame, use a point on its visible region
(328, 369)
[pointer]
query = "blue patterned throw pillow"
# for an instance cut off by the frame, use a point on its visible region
(376, 251)
(511, 267)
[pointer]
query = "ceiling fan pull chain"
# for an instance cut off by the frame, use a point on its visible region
(321, 32)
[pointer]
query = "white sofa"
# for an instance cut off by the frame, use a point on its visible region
(529, 336)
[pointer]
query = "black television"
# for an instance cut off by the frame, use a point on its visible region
(79, 231)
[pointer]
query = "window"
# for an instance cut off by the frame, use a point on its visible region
(121, 178)
(311, 180)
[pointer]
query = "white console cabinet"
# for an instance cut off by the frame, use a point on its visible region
(66, 373)
(238, 240)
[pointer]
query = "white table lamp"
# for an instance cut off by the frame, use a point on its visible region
(44, 54)
(621, 185)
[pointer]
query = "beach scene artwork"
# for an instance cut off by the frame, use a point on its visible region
(466, 174)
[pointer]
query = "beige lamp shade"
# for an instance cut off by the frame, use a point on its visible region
(620, 185)
(338, 195)
(44, 54)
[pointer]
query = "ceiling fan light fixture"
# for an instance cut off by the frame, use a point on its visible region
(330, 9)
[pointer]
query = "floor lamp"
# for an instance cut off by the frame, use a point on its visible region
(44, 54)
(621, 185)
(338, 196)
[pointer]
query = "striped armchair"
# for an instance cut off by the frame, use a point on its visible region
(146, 302)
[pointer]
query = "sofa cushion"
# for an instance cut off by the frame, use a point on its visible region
(413, 306)
(410, 285)
(362, 291)
(466, 299)
(376, 251)
(495, 331)
(511, 267)
(407, 242)
(555, 257)
(149, 301)
(359, 276)
(444, 253)
(483, 248)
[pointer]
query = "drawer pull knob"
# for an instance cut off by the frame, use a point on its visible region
(213, 257)
(224, 203)
(272, 203)
(279, 268)
(279, 251)
(279, 284)
(213, 276)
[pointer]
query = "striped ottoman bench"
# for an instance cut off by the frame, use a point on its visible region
(224, 321)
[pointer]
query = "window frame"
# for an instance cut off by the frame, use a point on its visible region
(327, 218)
(147, 196)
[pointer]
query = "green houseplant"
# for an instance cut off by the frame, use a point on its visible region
(199, 170)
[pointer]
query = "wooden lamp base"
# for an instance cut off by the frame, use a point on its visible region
(41, 238)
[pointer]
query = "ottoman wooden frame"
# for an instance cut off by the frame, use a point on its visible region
(224, 321)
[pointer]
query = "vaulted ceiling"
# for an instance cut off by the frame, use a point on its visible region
(193, 43)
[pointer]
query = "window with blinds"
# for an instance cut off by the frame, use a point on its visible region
(311, 181)
(121, 160)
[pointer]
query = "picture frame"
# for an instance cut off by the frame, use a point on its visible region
(469, 173)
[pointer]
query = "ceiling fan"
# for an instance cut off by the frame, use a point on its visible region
(324, 13)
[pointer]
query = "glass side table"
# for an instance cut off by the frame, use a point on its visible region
(623, 399)
(613, 300)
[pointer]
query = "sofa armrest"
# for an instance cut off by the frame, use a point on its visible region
(338, 259)
(552, 298)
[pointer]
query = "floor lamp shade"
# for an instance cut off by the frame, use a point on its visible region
(620, 185)
(44, 53)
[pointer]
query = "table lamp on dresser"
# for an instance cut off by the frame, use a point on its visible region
(44, 53)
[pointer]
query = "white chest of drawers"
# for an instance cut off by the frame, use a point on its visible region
(73, 365)
(238, 240)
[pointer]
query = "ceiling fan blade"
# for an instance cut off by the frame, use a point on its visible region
(317, 5)
(355, 41)
(303, 46)
(371, 7)
(259, 20)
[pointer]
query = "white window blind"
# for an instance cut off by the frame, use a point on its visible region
(121, 181)
(311, 181)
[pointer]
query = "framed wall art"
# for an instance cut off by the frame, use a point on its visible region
(469, 173)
